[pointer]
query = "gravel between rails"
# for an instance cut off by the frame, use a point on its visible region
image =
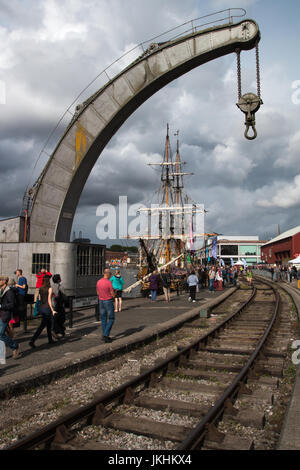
(38, 407)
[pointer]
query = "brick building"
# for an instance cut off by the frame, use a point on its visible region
(282, 248)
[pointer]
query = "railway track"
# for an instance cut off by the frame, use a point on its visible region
(238, 361)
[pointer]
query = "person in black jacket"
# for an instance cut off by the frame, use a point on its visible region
(166, 282)
(60, 299)
(8, 304)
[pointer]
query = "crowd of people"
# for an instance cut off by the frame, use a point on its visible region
(284, 273)
(215, 278)
(49, 301)
(212, 277)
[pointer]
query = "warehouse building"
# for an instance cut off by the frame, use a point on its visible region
(282, 248)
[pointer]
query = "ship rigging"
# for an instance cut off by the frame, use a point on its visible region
(171, 221)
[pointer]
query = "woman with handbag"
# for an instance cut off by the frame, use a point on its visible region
(46, 310)
(8, 303)
(59, 301)
(14, 322)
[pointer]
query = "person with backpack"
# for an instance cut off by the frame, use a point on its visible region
(166, 283)
(8, 304)
(59, 301)
(39, 282)
(117, 283)
(46, 310)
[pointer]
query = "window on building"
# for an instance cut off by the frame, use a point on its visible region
(83, 260)
(90, 261)
(96, 261)
(248, 250)
(229, 250)
(39, 261)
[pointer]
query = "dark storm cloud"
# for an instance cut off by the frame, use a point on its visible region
(51, 50)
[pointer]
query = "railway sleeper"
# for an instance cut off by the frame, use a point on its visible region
(252, 322)
(282, 335)
(236, 337)
(212, 366)
(146, 427)
(229, 358)
(176, 406)
(244, 331)
(188, 386)
(204, 375)
(276, 363)
(247, 417)
(227, 350)
(256, 316)
(257, 397)
(234, 345)
(258, 379)
(81, 444)
(230, 442)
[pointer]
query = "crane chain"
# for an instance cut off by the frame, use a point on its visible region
(239, 77)
(257, 70)
(249, 103)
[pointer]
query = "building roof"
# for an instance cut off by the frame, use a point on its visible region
(252, 238)
(287, 234)
(253, 242)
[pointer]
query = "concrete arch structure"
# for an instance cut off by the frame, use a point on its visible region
(63, 178)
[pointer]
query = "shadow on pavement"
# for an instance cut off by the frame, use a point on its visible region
(129, 332)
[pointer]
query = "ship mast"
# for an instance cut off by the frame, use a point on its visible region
(168, 187)
(170, 241)
(178, 187)
(163, 249)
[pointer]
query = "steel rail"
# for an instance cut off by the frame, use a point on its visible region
(197, 436)
(47, 434)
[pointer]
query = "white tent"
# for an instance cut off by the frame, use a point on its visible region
(296, 260)
(239, 263)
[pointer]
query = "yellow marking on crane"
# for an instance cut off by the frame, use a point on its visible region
(80, 145)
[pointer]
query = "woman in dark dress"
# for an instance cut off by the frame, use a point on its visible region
(154, 285)
(60, 299)
(46, 310)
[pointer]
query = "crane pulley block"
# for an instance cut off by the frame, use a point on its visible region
(249, 104)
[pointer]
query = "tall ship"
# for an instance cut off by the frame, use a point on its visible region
(174, 222)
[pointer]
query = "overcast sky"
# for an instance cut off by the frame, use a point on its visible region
(51, 49)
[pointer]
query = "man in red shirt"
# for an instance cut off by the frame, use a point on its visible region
(106, 295)
(39, 282)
